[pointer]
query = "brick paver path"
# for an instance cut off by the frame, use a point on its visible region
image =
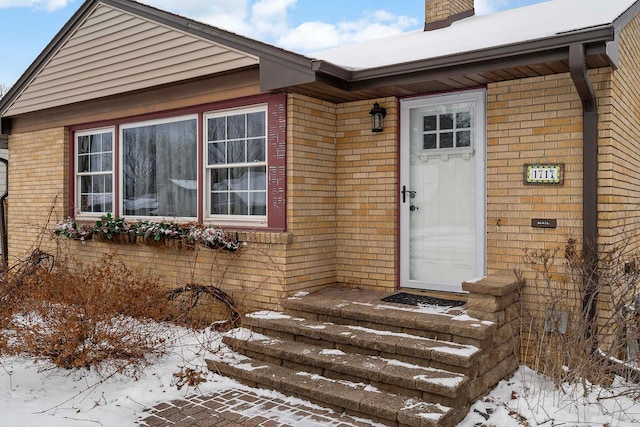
(239, 408)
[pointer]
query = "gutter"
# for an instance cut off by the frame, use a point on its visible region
(578, 71)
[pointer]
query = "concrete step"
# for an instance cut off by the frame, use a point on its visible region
(390, 375)
(460, 358)
(343, 396)
(347, 306)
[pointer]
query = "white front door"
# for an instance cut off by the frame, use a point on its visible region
(442, 191)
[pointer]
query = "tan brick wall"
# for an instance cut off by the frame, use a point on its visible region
(38, 186)
(439, 10)
(367, 190)
(620, 174)
(538, 120)
(311, 189)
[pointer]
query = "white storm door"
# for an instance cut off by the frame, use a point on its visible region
(442, 191)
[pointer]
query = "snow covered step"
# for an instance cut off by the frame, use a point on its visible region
(346, 306)
(434, 385)
(392, 345)
(343, 396)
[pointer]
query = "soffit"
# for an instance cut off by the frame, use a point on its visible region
(113, 51)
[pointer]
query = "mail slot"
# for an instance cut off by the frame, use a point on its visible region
(544, 223)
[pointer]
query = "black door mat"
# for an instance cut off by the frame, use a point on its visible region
(421, 300)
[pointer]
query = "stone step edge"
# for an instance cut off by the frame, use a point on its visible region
(370, 339)
(385, 315)
(352, 400)
(366, 369)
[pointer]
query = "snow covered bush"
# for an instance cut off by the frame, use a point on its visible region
(97, 315)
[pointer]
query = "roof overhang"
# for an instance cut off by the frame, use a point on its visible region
(468, 69)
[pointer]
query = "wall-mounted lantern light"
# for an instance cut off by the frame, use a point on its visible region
(377, 114)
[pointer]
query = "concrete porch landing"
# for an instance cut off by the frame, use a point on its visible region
(395, 364)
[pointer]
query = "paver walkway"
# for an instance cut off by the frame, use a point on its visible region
(240, 408)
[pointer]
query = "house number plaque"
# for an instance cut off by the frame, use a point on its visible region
(543, 174)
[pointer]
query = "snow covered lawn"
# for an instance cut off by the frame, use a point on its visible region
(42, 395)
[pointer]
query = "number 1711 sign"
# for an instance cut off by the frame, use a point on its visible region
(543, 174)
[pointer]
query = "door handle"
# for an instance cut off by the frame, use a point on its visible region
(413, 208)
(412, 194)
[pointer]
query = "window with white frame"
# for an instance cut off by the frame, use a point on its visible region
(159, 168)
(236, 164)
(223, 163)
(94, 178)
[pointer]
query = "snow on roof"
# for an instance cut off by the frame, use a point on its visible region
(513, 26)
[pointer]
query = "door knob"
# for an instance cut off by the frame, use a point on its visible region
(413, 208)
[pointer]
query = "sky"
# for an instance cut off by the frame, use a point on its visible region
(27, 26)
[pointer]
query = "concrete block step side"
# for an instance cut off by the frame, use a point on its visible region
(381, 342)
(355, 399)
(405, 378)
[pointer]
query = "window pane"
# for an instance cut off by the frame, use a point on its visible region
(259, 203)
(107, 143)
(255, 150)
(258, 178)
(106, 162)
(217, 153)
(159, 169)
(83, 163)
(446, 121)
(96, 163)
(429, 123)
(83, 145)
(86, 184)
(108, 203)
(108, 187)
(239, 179)
(446, 140)
(216, 129)
(220, 203)
(236, 151)
(463, 138)
(255, 122)
(235, 127)
(98, 184)
(430, 141)
(463, 120)
(96, 143)
(238, 205)
(220, 179)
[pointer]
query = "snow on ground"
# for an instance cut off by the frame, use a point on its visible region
(37, 394)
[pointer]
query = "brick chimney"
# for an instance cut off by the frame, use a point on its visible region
(441, 13)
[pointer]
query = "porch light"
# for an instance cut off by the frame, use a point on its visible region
(377, 114)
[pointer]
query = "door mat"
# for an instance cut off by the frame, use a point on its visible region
(418, 300)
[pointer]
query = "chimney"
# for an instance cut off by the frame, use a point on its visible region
(441, 13)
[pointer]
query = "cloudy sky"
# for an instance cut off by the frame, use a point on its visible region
(26, 26)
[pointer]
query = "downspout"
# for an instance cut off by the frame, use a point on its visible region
(3, 219)
(578, 70)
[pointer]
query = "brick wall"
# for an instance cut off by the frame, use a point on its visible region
(311, 189)
(620, 173)
(38, 186)
(367, 181)
(538, 120)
